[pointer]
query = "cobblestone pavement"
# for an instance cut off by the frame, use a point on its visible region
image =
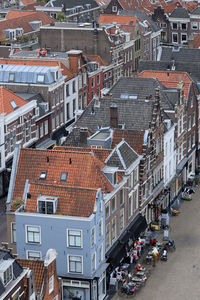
(179, 277)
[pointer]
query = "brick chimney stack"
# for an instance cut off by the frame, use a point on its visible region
(113, 116)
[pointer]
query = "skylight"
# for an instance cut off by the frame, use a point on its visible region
(14, 105)
(40, 78)
(43, 175)
(11, 77)
(63, 176)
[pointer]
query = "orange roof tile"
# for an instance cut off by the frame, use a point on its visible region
(97, 58)
(72, 201)
(121, 20)
(5, 97)
(134, 138)
(169, 79)
(83, 170)
(13, 14)
(196, 40)
(23, 22)
(33, 5)
(27, 2)
(38, 268)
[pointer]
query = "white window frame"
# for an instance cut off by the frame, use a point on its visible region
(193, 27)
(33, 251)
(46, 127)
(81, 238)
(100, 231)
(185, 41)
(12, 239)
(182, 26)
(68, 263)
(51, 284)
(113, 199)
(101, 253)
(114, 220)
(107, 206)
(121, 215)
(114, 8)
(93, 243)
(34, 243)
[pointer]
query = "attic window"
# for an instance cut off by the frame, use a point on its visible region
(14, 105)
(8, 273)
(40, 78)
(11, 77)
(46, 207)
(63, 177)
(43, 175)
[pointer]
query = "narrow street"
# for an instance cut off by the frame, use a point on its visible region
(179, 277)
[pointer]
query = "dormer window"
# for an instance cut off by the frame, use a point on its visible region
(43, 175)
(11, 77)
(63, 177)
(6, 271)
(47, 205)
(40, 78)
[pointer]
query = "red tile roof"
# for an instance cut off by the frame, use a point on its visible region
(170, 79)
(83, 170)
(38, 268)
(196, 40)
(13, 14)
(5, 97)
(121, 20)
(96, 58)
(27, 2)
(32, 6)
(23, 22)
(72, 201)
(134, 138)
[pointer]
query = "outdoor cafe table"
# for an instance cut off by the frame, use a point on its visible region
(140, 273)
(136, 279)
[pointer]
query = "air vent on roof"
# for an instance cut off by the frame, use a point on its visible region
(43, 175)
(70, 161)
(47, 159)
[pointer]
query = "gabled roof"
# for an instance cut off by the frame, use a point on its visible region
(96, 58)
(6, 98)
(24, 22)
(121, 20)
(122, 156)
(134, 138)
(72, 201)
(83, 170)
(170, 79)
(196, 11)
(38, 268)
(180, 12)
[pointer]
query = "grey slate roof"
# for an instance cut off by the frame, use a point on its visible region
(122, 156)
(17, 269)
(74, 3)
(142, 16)
(34, 54)
(180, 54)
(193, 69)
(179, 12)
(196, 11)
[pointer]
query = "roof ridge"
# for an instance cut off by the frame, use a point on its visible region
(62, 186)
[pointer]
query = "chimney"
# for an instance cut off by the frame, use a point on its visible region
(113, 116)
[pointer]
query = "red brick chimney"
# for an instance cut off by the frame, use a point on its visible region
(113, 116)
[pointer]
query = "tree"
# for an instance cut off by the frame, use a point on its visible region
(61, 17)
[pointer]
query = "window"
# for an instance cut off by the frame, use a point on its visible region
(194, 25)
(7, 275)
(101, 254)
(114, 8)
(94, 262)
(115, 178)
(93, 236)
(33, 234)
(16, 295)
(74, 86)
(93, 82)
(193, 140)
(24, 132)
(121, 197)
(74, 107)
(75, 264)
(175, 25)
(51, 284)
(121, 219)
(11, 77)
(34, 254)
(183, 37)
(46, 129)
(14, 138)
(40, 78)
(183, 26)
(107, 209)
(193, 120)
(8, 142)
(113, 229)
(98, 79)
(68, 114)
(100, 228)
(57, 118)
(46, 207)
(163, 25)
(13, 232)
(75, 238)
(43, 175)
(129, 206)
(41, 130)
(61, 115)
(67, 90)
(107, 236)
(53, 121)
(63, 177)
(52, 99)
(135, 197)
(113, 204)
(174, 37)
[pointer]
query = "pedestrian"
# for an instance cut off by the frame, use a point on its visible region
(155, 256)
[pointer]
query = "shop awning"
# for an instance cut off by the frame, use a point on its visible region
(116, 253)
(134, 229)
